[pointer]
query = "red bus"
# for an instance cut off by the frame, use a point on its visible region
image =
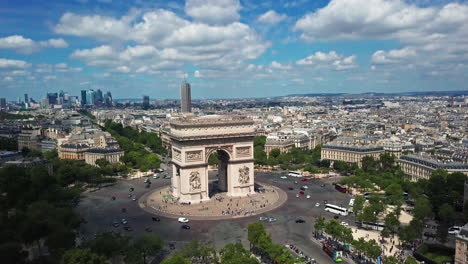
(341, 188)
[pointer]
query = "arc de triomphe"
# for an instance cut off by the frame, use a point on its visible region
(194, 139)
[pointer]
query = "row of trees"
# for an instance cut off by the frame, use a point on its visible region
(35, 213)
(294, 159)
(10, 144)
(136, 145)
(261, 243)
(10, 116)
(440, 196)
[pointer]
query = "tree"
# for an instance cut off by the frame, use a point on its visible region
(447, 214)
(358, 204)
(373, 249)
(144, 246)
(411, 260)
(392, 222)
(394, 193)
(436, 188)
(255, 231)
(177, 259)
(422, 208)
(236, 254)
(369, 164)
(102, 162)
(275, 153)
(12, 252)
(260, 156)
(387, 161)
(82, 256)
(199, 252)
(213, 159)
(109, 244)
(60, 240)
(341, 166)
(260, 141)
(391, 260)
(319, 225)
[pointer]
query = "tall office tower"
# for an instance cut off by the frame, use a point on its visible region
(52, 98)
(98, 97)
(3, 103)
(83, 97)
(185, 98)
(26, 99)
(90, 95)
(146, 101)
(108, 99)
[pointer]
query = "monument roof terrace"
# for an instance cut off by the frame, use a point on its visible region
(211, 120)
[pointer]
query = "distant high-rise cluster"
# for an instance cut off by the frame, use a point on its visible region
(185, 98)
(91, 97)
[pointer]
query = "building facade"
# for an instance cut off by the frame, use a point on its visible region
(421, 167)
(461, 246)
(349, 153)
(111, 155)
(185, 98)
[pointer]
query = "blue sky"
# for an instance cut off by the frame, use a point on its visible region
(232, 48)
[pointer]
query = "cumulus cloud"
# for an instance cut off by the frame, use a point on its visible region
(279, 66)
(27, 45)
(433, 35)
(213, 11)
(271, 17)
(165, 38)
(329, 60)
(197, 74)
(13, 64)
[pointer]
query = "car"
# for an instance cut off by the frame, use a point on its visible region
(147, 180)
(300, 221)
(325, 202)
(134, 199)
(271, 220)
(183, 220)
(185, 227)
(129, 195)
(155, 176)
(115, 223)
(127, 228)
(159, 170)
(290, 188)
(336, 217)
(308, 196)
(171, 246)
(155, 219)
(344, 224)
(430, 235)
(305, 187)
(283, 177)
(304, 180)
(124, 221)
(262, 218)
(295, 182)
(301, 192)
(131, 189)
(167, 176)
(322, 185)
(113, 198)
(297, 195)
(317, 204)
(454, 230)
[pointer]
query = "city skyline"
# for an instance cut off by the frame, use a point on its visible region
(232, 49)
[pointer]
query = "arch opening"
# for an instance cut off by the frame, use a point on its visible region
(218, 177)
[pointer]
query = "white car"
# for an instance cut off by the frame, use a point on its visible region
(297, 195)
(344, 224)
(454, 230)
(317, 204)
(283, 177)
(155, 176)
(305, 187)
(308, 196)
(183, 220)
(262, 218)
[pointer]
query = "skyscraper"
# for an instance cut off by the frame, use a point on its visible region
(108, 99)
(98, 98)
(90, 97)
(52, 98)
(185, 98)
(26, 99)
(3, 103)
(83, 97)
(146, 101)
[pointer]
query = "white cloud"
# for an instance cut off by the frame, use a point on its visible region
(166, 39)
(197, 74)
(26, 45)
(8, 79)
(329, 60)
(279, 66)
(213, 11)
(122, 69)
(431, 36)
(13, 64)
(271, 17)
(49, 77)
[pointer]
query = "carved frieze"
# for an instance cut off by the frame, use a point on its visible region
(193, 156)
(176, 154)
(243, 152)
(195, 181)
(244, 175)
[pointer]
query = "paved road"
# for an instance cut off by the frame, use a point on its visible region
(100, 211)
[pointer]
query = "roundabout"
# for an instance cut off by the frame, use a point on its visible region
(220, 206)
